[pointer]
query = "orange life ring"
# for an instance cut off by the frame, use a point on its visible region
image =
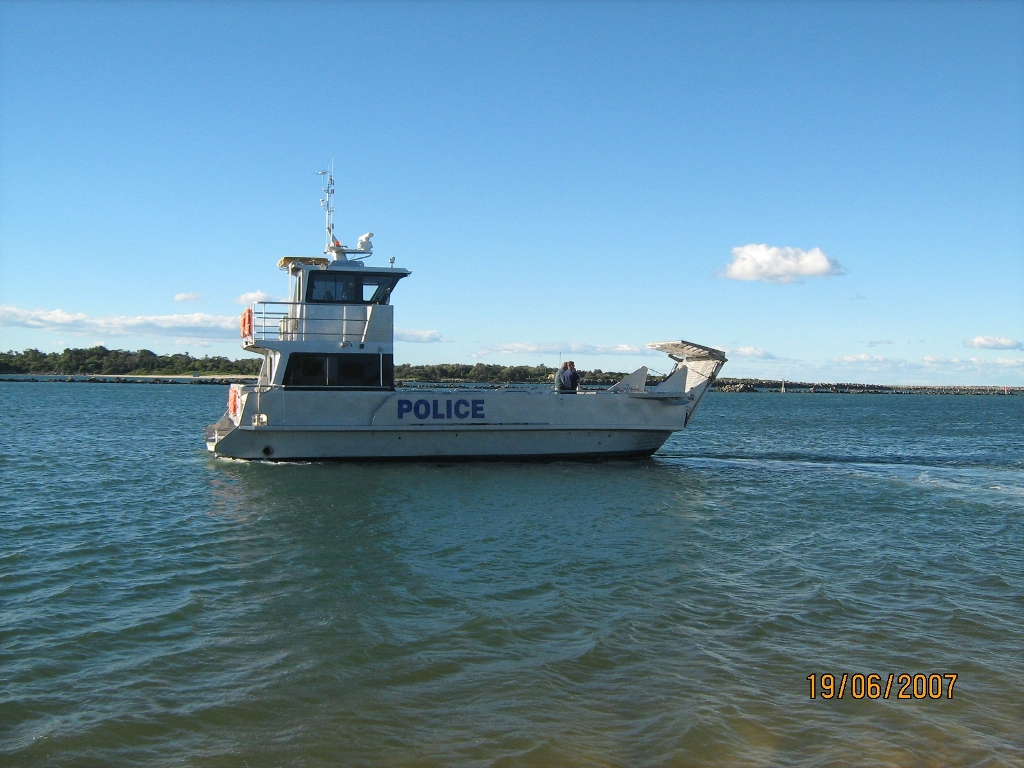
(247, 323)
(232, 400)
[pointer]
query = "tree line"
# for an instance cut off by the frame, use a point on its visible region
(495, 374)
(101, 361)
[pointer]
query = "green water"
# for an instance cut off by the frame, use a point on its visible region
(161, 607)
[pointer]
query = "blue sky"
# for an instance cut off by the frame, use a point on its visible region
(828, 191)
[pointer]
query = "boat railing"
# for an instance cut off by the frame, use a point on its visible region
(296, 321)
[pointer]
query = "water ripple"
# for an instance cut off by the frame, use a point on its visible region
(163, 607)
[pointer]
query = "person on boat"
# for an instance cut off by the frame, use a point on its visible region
(574, 376)
(570, 379)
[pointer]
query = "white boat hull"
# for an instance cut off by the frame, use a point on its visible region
(438, 443)
(281, 425)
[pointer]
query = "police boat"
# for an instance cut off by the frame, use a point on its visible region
(326, 388)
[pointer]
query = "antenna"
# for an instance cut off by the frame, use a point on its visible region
(327, 203)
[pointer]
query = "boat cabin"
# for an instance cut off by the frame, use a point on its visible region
(336, 330)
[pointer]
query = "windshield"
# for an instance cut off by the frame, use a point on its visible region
(326, 287)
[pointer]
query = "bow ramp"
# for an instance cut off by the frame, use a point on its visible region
(696, 368)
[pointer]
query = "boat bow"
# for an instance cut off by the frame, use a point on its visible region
(695, 370)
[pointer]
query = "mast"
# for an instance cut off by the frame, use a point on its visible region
(327, 203)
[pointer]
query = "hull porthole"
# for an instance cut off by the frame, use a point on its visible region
(268, 450)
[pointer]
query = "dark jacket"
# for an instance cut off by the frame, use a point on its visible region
(569, 380)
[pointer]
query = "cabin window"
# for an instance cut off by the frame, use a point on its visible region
(326, 287)
(377, 288)
(353, 371)
(333, 287)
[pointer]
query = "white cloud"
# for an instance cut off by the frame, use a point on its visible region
(193, 329)
(755, 353)
(190, 342)
(872, 363)
(197, 325)
(771, 264)
(973, 363)
(862, 358)
(252, 296)
(188, 296)
(929, 365)
(879, 343)
(418, 337)
(992, 342)
(568, 347)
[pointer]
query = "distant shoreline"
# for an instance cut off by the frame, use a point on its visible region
(731, 386)
(62, 378)
(119, 366)
(738, 386)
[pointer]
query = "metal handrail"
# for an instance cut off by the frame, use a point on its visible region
(291, 321)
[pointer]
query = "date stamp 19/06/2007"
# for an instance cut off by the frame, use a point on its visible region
(918, 686)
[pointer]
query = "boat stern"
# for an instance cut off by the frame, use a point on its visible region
(695, 371)
(227, 423)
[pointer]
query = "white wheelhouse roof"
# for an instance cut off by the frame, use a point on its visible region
(681, 351)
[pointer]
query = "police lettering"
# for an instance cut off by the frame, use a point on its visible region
(436, 409)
